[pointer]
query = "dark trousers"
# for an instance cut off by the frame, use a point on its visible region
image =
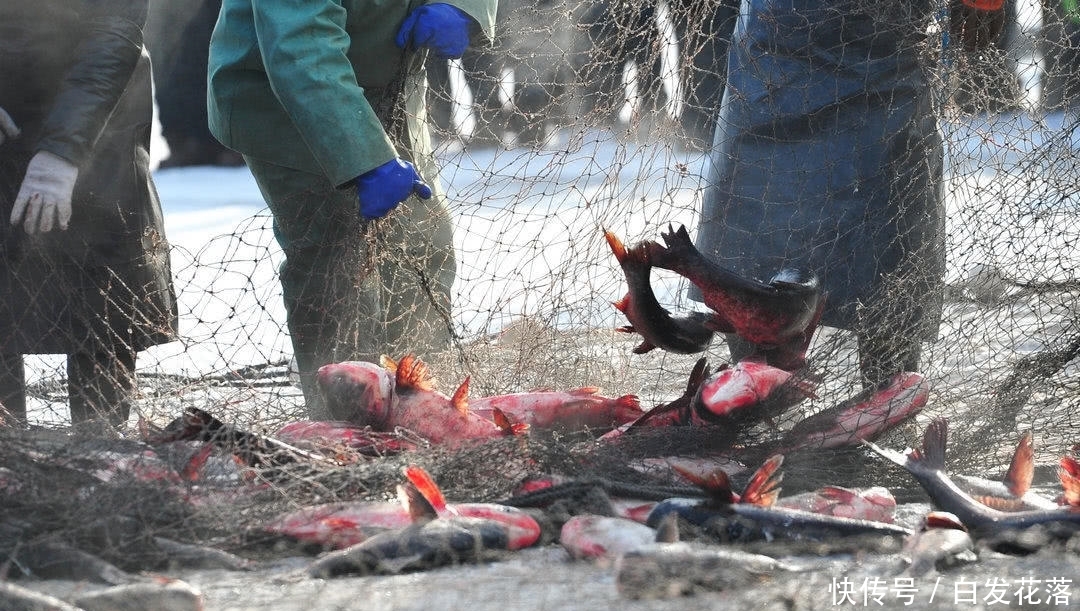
(100, 386)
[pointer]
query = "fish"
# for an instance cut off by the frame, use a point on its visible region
(776, 314)
(755, 515)
(875, 503)
(340, 525)
(942, 542)
(674, 413)
(571, 410)
(866, 416)
(428, 541)
(1011, 494)
(687, 334)
(748, 391)
(592, 536)
(339, 435)
(413, 403)
(981, 521)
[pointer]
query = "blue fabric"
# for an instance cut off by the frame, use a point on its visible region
(382, 189)
(827, 156)
(442, 28)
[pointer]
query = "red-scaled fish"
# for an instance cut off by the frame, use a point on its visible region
(924, 466)
(875, 503)
(570, 410)
(339, 525)
(770, 314)
(335, 436)
(412, 402)
(685, 334)
(592, 536)
(748, 391)
(866, 416)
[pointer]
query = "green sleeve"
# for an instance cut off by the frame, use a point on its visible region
(303, 47)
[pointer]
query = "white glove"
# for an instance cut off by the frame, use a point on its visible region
(45, 195)
(8, 129)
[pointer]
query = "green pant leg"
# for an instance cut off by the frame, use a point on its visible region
(417, 269)
(328, 282)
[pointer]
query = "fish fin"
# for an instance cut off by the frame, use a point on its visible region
(1022, 468)
(764, 486)
(906, 461)
(999, 503)
(420, 510)
(837, 493)
(716, 483)
(623, 305)
(388, 363)
(503, 421)
(617, 247)
(1069, 474)
(667, 531)
(935, 438)
(629, 403)
(643, 347)
(697, 375)
(424, 484)
(412, 373)
(460, 400)
(585, 390)
(943, 519)
(626, 329)
(194, 465)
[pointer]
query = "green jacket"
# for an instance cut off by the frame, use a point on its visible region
(294, 83)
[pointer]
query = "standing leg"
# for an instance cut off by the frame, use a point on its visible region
(13, 386)
(101, 386)
(883, 355)
(330, 291)
(416, 273)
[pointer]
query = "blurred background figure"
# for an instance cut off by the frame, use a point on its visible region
(178, 37)
(84, 264)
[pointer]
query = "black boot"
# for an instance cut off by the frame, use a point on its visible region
(13, 387)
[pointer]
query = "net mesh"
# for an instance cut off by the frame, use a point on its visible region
(585, 116)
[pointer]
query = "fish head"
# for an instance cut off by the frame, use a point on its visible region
(732, 390)
(357, 391)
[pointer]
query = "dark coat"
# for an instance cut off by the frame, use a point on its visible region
(827, 157)
(75, 79)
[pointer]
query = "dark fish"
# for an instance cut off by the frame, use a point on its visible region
(677, 412)
(778, 314)
(1011, 494)
(923, 465)
(430, 541)
(753, 516)
(686, 334)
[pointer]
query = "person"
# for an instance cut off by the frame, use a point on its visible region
(827, 158)
(178, 37)
(325, 99)
(84, 264)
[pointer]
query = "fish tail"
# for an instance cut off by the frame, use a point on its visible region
(716, 483)
(628, 404)
(1022, 468)
(1069, 473)
(617, 247)
(764, 486)
(423, 483)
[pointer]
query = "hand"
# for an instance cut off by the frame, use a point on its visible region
(45, 194)
(382, 189)
(440, 27)
(976, 23)
(8, 129)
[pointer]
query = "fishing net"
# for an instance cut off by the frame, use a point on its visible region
(584, 116)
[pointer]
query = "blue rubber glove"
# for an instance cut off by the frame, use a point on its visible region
(382, 189)
(440, 27)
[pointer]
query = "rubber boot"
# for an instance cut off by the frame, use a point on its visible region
(13, 387)
(101, 386)
(882, 356)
